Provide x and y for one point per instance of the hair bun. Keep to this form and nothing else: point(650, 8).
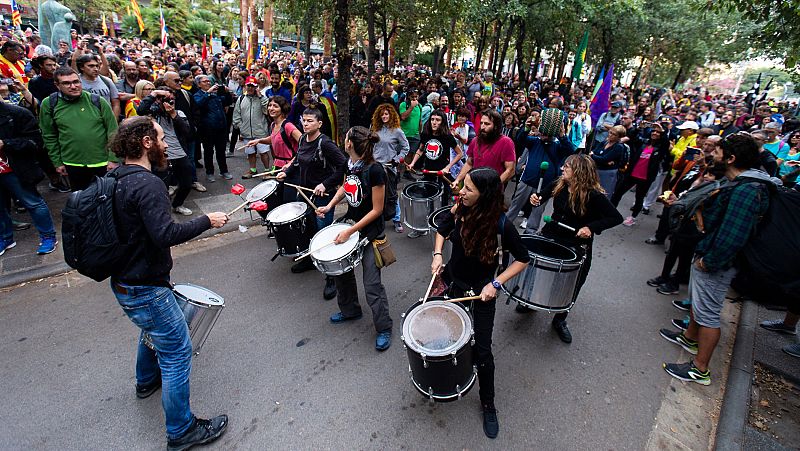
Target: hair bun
point(374, 137)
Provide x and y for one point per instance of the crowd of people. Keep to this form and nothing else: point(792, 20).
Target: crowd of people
point(70, 114)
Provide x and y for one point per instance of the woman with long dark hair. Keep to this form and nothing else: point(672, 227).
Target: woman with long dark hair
point(578, 202)
point(473, 226)
point(436, 142)
point(365, 209)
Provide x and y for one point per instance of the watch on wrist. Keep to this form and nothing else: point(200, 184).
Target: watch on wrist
point(497, 285)
point(434, 254)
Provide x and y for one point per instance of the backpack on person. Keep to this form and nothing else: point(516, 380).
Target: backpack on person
point(89, 232)
point(681, 217)
point(54, 97)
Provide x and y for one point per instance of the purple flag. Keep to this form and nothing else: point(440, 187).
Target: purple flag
point(600, 101)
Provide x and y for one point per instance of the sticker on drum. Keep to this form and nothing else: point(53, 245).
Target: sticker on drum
point(436, 328)
point(262, 191)
point(286, 213)
point(334, 251)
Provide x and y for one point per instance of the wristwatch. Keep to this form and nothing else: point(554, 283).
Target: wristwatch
point(497, 285)
point(435, 253)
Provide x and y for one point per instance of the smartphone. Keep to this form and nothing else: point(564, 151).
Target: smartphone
point(690, 153)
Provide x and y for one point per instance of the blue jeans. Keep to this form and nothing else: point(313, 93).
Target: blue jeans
point(190, 153)
point(30, 199)
point(321, 201)
point(155, 311)
point(608, 180)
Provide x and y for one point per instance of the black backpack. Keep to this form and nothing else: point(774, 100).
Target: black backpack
point(681, 214)
point(89, 232)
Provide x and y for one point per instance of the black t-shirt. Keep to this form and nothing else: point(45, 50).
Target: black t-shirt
point(358, 186)
point(469, 269)
point(436, 149)
point(310, 170)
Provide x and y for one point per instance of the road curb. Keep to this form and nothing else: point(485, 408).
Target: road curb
point(41, 272)
point(736, 402)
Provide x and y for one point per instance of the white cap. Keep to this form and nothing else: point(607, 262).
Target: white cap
point(688, 125)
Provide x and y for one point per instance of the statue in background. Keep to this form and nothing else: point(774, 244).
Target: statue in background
point(55, 23)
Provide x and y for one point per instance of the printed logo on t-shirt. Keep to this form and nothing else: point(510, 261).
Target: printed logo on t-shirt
point(433, 149)
point(353, 190)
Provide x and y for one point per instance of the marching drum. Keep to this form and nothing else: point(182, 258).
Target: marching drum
point(418, 200)
point(201, 308)
point(266, 192)
point(289, 224)
point(438, 338)
point(434, 221)
point(549, 281)
point(336, 259)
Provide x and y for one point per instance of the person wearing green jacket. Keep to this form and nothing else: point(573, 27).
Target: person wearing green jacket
point(76, 130)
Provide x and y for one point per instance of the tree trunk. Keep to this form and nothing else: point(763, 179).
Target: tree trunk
point(501, 61)
point(498, 25)
point(269, 20)
point(326, 35)
point(392, 35)
point(254, 32)
point(449, 42)
point(345, 59)
point(638, 73)
point(536, 61)
point(371, 44)
point(481, 45)
point(308, 22)
point(437, 53)
point(244, 8)
point(521, 69)
point(678, 77)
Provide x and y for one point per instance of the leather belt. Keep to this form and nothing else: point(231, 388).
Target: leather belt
point(120, 289)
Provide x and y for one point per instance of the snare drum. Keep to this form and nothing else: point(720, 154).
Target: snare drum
point(201, 308)
point(548, 282)
point(267, 192)
point(289, 223)
point(434, 221)
point(336, 259)
point(418, 201)
point(438, 338)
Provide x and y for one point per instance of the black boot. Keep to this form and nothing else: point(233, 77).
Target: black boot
point(563, 331)
point(303, 265)
point(330, 288)
point(490, 424)
point(202, 431)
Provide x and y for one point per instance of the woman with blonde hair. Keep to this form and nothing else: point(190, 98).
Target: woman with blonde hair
point(580, 203)
point(142, 89)
point(390, 152)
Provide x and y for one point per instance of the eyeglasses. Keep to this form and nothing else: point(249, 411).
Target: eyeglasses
point(70, 83)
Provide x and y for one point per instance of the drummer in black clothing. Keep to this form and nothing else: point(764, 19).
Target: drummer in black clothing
point(366, 186)
point(473, 226)
point(318, 165)
point(436, 144)
point(579, 202)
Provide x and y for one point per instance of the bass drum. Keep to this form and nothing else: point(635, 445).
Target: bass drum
point(548, 282)
point(434, 221)
point(417, 202)
point(438, 338)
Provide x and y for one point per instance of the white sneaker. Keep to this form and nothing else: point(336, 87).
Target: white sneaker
point(171, 190)
point(523, 224)
point(199, 187)
point(227, 176)
point(182, 211)
point(629, 221)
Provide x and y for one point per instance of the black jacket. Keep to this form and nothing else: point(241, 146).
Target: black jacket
point(311, 170)
point(142, 213)
point(22, 141)
point(600, 215)
point(657, 158)
point(182, 126)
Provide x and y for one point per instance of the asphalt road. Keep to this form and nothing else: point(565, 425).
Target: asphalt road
point(289, 379)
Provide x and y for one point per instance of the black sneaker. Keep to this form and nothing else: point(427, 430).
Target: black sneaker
point(682, 304)
point(645, 211)
point(330, 289)
point(668, 288)
point(490, 424)
point(688, 372)
point(563, 331)
point(653, 240)
point(144, 391)
point(777, 325)
point(657, 281)
point(681, 324)
point(202, 431)
point(679, 339)
point(303, 265)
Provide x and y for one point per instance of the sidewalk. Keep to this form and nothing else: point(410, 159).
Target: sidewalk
point(21, 263)
point(761, 409)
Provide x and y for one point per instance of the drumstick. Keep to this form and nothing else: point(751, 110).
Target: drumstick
point(267, 173)
point(239, 207)
point(307, 253)
point(428, 291)
point(307, 200)
point(550, 219)
point(302, 188)
point(468, 298)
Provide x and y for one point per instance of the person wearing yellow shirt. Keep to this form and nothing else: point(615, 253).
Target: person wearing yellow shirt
point(688, 138)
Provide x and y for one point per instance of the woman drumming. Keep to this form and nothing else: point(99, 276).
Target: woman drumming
point(365, 208)
point(473, 226)
point(579, 202)
point(436, 143)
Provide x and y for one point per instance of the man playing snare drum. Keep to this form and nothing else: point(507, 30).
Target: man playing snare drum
point(142, 287)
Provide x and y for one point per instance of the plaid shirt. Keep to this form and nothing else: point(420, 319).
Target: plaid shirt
point(729, 219)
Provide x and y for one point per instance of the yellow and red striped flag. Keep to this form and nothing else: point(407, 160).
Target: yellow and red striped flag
point(104, 25)
point(16, 17)
point(138, 13)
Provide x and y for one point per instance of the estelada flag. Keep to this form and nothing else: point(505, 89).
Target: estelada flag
point(138, 13)
point(103, 24)
point(204, 55)
point(16, 17)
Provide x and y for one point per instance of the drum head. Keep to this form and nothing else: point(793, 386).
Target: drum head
point(547, 249)
point(422, 190)
point(262, 191)
point(435, 219)
point(198, 295)
point(287, 212)
point(334, 251)
point(436, 328)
